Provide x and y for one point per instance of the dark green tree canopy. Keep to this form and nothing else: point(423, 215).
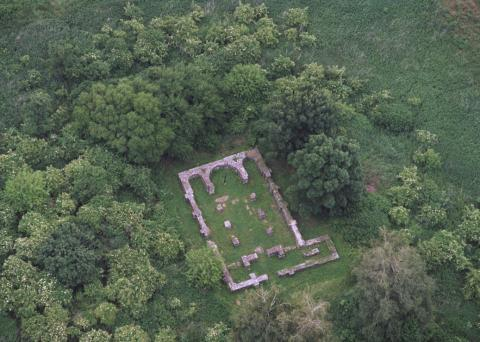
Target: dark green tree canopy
point(70, 255)
point(313, 102)
point(143, 118)
point(126, 117)
point(328, 177)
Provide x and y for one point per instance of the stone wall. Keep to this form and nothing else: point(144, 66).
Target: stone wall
point(234, 162)
point(227, 277)
point(282, 206)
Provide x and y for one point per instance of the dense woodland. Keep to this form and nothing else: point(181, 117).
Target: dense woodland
point(102, 102)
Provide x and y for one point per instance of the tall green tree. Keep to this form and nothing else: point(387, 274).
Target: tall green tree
point(126, 117)
point(313, 102)
point(70, 255)
point(327, 176)
point(132, 279)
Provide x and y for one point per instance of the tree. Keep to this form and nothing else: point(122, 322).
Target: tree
point(165, 335)
point(70, 255)
point(88, 180)
point(25, 290)
point(393, 290)
point(444, 248)
point(257, 318)
point(142, 118)
point(125, 116)
point(427, 159)
point(219, 332)
point(130, 333)
point(399, 216)
point(469, 229)
point(204, 268)
point(264, 315)
point(37, 228)
point(26, 190)
point(247, 83)
point(313, 102)
point(432, 216)
point(51, 326)
point(132, 279)
point(106, 313)
point(35, 111)
point(96, 336)
point(327, 175)
point(472, 284)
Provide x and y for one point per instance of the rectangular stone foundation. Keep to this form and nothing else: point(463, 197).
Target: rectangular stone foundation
point(235, 162)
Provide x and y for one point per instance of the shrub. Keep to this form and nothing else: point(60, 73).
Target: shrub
point(363, 224)
point(395, 120)
point(204, 268)
point(469, 229)
point(399, 216)
point(444, 248)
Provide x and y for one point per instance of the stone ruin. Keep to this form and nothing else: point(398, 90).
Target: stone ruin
point(276, 250)
point(227, 224)
point(312, 262)
point(235, 162)
point(261, 214)
point(312, 252)
point(248, 259)
point(235, 241)
point(253, 280)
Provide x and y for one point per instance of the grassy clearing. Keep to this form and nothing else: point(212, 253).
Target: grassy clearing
point(325, 281)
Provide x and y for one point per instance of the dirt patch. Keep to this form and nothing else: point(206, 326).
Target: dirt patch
point(372, 184)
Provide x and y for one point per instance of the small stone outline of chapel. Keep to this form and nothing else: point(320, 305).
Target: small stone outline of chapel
point(235, 162)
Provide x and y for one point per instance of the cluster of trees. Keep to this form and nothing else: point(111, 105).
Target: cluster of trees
point(171, 85)
point(85, 239)
point(433, 232)
point(65, 235)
